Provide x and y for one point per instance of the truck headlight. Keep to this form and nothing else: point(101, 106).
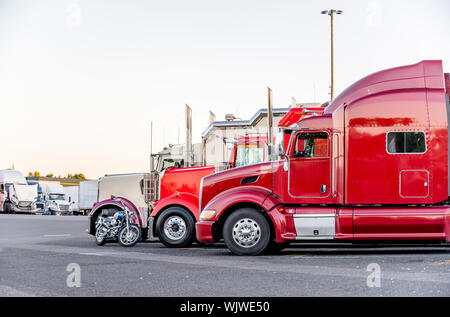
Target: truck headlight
point(207, 214)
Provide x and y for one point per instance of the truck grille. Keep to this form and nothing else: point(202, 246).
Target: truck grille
point(40, 206)
point(23, 204)
point(64, 207)
point(151, 184)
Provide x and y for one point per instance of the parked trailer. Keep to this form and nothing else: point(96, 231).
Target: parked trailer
point(16, 195)
point(72, 194)
point(372, 167)
point(88, 196)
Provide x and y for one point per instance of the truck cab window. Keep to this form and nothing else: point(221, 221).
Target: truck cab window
point(308, 145)
point(56, 197)
point(406, 142)
point(249, 154)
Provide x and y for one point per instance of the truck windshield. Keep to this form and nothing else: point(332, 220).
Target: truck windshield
point(7, 186)
point(249, 154)
point(56, 197)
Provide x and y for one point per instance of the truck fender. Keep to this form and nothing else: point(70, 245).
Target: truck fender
point(186, 200)
point(249, 194)
point(258, 196)
point(112, 203)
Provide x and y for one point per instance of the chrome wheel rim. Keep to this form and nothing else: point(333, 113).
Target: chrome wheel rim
point(246, 232)
point(130, 236)
point(100, 235)
point(175, 228)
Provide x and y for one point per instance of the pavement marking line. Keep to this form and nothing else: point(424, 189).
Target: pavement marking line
point(103, 253)
point(7, 291)
point(235, 263)
point(58, 235)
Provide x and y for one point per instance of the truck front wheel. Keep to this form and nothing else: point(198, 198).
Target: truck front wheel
point(246, 232)
point(8, 208)
point(175, 227)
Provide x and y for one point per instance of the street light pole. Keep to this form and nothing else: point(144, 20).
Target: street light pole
point(331, 13)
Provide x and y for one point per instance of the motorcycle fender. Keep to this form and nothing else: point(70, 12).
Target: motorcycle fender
point(112, 203)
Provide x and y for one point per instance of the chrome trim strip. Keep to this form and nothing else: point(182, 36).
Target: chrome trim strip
point(315, 238)
point(313, 215)
point(200, 197)
point(313, 158)
point(334, 145)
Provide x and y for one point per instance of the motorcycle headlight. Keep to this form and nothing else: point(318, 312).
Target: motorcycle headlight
point(207, 214)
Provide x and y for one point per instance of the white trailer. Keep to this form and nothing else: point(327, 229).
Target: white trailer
point(72, 195)
point(130, 186)
point(88, 196)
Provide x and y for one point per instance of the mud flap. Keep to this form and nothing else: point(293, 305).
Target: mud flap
point(151, 235)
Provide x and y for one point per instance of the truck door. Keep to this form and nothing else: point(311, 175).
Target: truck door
point(309, 167)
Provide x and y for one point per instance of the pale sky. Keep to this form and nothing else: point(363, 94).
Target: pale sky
point(80, 80)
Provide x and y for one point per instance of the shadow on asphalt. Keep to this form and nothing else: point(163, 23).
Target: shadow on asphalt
point(347, 249)
point(296, 249)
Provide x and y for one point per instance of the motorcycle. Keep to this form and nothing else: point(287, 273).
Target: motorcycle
point(116, 225)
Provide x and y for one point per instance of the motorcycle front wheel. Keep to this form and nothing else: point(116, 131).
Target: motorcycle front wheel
point(131, 237)
point(100, 238)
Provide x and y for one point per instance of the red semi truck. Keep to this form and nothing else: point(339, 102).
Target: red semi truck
point(373, 167)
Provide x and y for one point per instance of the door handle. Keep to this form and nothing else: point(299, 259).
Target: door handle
point(323, 189)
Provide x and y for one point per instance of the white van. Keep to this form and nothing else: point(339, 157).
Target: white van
point(15, 193)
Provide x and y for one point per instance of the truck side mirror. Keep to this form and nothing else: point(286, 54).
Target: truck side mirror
point(278, 148)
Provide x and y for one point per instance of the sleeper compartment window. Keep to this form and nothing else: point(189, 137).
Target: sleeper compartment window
point(406, 142)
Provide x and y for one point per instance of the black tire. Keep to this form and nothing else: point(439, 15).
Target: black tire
point(99, 241)
point(259, 227)
point(133, 228)
point(7, 207)
point(174, 214)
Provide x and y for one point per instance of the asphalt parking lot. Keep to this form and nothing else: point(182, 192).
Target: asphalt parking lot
point(35, 252)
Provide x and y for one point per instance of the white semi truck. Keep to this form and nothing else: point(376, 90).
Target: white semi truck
point(15, 193)
point(56, 201)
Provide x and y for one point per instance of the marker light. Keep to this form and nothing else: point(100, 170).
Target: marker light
point(207, 214)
